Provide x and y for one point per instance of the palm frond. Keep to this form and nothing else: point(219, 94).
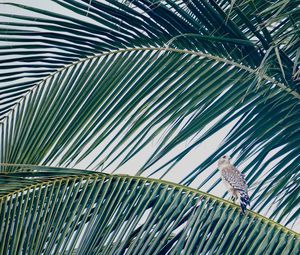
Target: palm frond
point(60, 39)
point(65, 118)
point(49, 211)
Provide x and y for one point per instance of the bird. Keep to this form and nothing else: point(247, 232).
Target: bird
point(234, 181)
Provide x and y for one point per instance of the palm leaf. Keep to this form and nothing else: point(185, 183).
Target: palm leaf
point(64, 119)
point(48, 210)
point(99, 27)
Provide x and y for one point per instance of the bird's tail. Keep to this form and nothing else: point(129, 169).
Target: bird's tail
point(244, 201)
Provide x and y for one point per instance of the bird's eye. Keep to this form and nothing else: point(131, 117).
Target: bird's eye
point(224, 156)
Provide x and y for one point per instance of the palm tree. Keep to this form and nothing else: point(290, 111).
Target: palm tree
point(87, 85)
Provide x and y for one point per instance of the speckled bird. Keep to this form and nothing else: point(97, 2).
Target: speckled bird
point(234, 182)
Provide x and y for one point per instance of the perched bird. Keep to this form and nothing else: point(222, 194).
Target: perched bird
point(234, 182)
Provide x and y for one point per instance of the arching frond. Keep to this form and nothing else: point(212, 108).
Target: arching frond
point(51, 211)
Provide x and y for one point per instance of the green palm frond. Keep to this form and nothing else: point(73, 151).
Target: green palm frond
point(61, 211)
point(65, 119)
point(60, 39)
point(93, 72)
